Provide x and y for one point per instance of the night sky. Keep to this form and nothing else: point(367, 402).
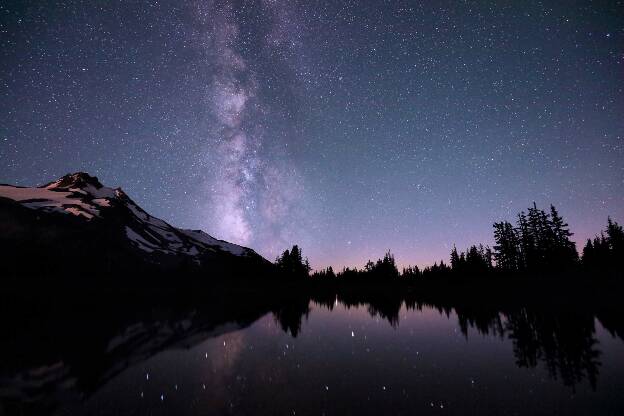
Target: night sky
point(349, 128)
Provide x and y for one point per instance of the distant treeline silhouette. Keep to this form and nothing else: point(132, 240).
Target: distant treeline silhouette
point(539, 243)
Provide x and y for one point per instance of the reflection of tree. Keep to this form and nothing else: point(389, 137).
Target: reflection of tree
point(612, 320)
point(290, 314)
point(562, 338)
point(378, 304)
point(564, 341)
point(385, 311)
point(484, 320)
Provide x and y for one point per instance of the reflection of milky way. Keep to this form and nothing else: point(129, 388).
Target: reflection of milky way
point(245, 188)
point(218, 363)
point(228, 349)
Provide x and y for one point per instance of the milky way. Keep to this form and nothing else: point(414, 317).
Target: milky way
point(229, 94)
point(349, 127)
point(250, 194)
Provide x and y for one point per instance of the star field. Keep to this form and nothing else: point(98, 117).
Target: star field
point(346, 127)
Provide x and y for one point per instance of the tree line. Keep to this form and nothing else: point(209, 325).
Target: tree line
point(538, 242)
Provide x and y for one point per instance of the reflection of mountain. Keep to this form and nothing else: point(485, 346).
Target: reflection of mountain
point(63, 349)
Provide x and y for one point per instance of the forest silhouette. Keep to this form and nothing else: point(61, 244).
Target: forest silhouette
point(538, 244)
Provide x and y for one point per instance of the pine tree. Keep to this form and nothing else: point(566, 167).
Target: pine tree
point(527, 242)
point(604, 254)
point(564, 251)
point(489, 258)
point(410, 272)
point(454, 259)
point(291, 263)
point(589, 254)
point(615, 235)
point(506, 250)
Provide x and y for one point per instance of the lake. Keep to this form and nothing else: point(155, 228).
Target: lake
point(341, 357)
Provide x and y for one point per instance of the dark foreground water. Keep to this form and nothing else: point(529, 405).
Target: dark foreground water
point(328, 358)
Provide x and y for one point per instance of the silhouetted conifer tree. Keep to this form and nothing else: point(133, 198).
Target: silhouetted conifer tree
point(604, 253)
point(454, 259)
point(615, 235)
point(506, 250)
point(527, 242)
point(477, 260)
point(383, 268)
point(327, 273)
point(411, 272)
point(330, 272)
point(563, 253)
point(588, 252)
point(539, 242)
point(292, 263)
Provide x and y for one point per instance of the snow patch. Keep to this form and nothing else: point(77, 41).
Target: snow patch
point(21, 194)
point(140, 241)
point(78, 212)
point(208, 240)
point(103, 202)
point(43, 198)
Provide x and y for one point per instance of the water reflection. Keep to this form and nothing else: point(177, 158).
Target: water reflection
point(563, 337)
point(58, 361)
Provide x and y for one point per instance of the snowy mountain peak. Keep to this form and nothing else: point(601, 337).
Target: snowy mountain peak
point(81, 185)
point(77, 180)
point(83, 196)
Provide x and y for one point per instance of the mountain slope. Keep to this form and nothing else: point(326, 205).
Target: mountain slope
point(75, 220)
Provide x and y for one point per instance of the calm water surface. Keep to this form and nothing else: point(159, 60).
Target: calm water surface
point(342, 360)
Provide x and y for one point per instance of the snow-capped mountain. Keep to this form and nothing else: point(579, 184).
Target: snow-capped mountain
point(78, 206)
